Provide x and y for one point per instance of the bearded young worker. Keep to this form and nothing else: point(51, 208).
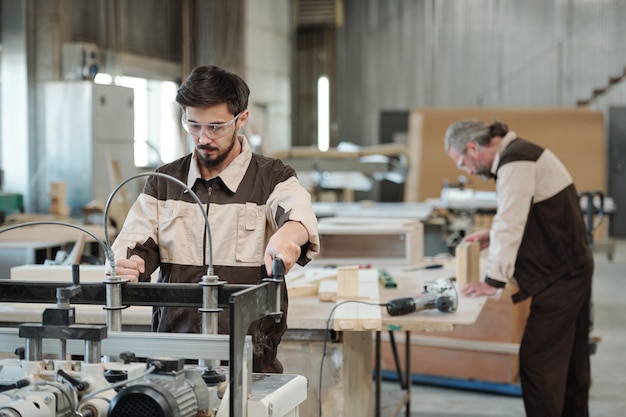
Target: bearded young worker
point(537, 242)
point(256, 207)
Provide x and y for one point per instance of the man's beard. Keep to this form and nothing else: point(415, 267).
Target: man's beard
point(207, 161)
point(485, 173)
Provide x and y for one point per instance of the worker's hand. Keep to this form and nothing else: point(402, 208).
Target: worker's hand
point(130, 268)
point(285, 244)
point(475, 289)
point(482, 237)
point(286, 250)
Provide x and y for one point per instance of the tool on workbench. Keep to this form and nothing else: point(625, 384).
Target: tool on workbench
point(387, 279)
point(423, 267)
point(441, 295)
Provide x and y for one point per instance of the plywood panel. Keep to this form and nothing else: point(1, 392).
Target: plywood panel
point(575, 135)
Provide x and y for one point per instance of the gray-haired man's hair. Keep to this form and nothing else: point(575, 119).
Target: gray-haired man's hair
point(460, 133)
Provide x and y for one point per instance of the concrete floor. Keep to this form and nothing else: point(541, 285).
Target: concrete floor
point(607, 397)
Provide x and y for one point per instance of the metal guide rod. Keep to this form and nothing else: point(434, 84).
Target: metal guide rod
point(143, 344)
point(135, 294)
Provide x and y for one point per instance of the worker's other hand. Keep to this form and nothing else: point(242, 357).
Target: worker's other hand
point(285, 244)
point(130, 268)
point(475, 289)
point(482, 237)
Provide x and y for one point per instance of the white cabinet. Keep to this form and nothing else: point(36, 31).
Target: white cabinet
point(80, 124)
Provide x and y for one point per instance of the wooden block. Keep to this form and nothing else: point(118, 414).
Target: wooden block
point(467, 262)
point(58, 199)
point(348, 282)
point(362, 311)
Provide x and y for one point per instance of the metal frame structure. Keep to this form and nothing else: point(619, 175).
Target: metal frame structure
point(247, 303)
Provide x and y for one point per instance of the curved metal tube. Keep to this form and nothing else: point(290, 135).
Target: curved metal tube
point(105, 246)
point(177, 181)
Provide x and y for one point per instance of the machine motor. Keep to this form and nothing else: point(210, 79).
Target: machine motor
point(169, 391)
point(47, 399)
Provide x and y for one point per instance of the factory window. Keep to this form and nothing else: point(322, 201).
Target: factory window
point(157, 127)
point(323, 113)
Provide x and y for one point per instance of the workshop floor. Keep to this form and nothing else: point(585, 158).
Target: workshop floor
point(607, 397)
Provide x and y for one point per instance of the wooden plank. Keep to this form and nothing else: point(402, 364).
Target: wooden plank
point(76, 254)
point(119, 206)
point(583, 153)
point(456, 343)
point(361, 312)
point(348, 282)
point(54, 273)
point(297, 291)
point(62, 273)
point(467, 262)
point(357, 379)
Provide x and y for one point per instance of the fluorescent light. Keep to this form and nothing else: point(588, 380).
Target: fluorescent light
point(323, 113)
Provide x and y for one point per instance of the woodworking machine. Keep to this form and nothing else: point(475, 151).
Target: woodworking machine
point(160, 384)
point(124, 374)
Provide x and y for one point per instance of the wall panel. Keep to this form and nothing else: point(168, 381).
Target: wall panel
point(397, 55)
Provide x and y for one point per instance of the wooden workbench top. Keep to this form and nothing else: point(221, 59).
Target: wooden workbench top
point(51, 232)
point(309, 313)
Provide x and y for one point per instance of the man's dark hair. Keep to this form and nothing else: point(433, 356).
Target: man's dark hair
point(209, 85)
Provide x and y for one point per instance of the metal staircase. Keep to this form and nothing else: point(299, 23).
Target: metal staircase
point(597, 92)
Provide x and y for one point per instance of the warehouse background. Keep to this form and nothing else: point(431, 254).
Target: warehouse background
point(383, 58)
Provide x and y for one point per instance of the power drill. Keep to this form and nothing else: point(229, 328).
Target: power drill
point(441, 295)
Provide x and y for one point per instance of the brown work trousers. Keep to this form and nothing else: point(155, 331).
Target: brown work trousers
point(554, 353)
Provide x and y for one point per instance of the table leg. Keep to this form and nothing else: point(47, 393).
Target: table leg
point(404, 378)
point(357, 377)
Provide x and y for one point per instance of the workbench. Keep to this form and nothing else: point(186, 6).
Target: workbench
point(136, 318)
point(348, 388)
point(33, 244)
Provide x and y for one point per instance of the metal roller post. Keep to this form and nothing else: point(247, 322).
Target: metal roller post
point(210, 310)
point(34, 350)
point(114, 303)
point(93, 351)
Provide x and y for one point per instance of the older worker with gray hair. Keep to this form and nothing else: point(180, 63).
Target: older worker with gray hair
point(537, 241)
